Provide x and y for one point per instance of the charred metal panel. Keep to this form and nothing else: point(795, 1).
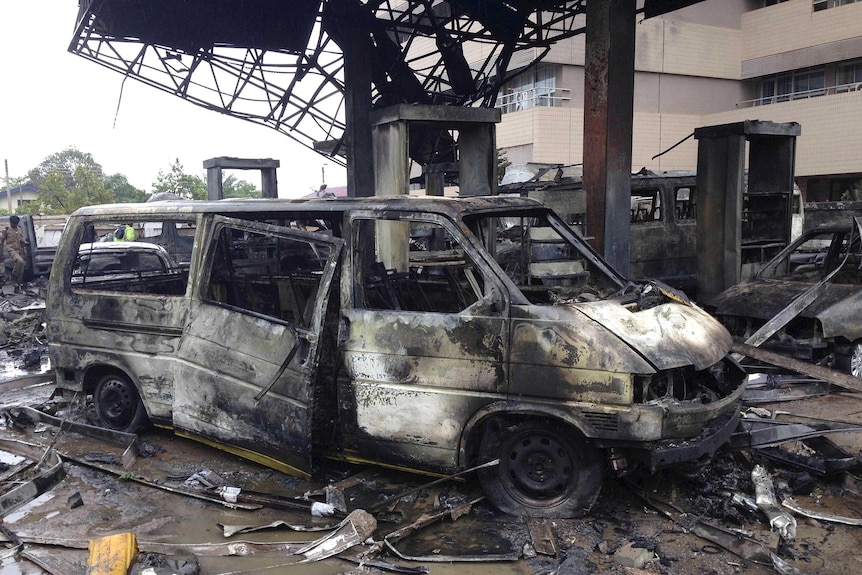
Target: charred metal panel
point(229, 358)
point(667, 335)
point(418, 377)
point(560, 354)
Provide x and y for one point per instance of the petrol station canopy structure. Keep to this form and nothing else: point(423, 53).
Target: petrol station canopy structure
point(282, 63)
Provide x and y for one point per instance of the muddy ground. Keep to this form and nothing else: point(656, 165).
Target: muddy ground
point(154, 499)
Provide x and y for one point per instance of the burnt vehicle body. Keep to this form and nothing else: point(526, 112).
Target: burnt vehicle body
point(663, 220)
point(828, 330)
point(430, 334)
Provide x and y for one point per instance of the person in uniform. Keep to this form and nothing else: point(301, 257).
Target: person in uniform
point(13, 239)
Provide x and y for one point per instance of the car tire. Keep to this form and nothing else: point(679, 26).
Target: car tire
point(545, 470)
point(118, 405)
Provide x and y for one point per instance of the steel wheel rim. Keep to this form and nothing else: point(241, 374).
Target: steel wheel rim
point(856, 361)
point(538, 468)
point(117, 402)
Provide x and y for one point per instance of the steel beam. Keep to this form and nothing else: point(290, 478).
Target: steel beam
point(608, 116)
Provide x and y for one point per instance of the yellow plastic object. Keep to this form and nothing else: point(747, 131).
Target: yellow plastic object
point(112, 554)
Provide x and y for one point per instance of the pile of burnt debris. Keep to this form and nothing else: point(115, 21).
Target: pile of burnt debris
point(22, 327)
point(740, 511)
point(772, 499)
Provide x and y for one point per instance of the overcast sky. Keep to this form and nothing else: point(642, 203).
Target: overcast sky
point(51, 100)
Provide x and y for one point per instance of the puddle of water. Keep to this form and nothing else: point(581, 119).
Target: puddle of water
point(10, 459)
point(13, 566)
point(22, 512)
point(10, 370)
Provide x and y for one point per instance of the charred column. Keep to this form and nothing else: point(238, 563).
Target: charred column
point(608, 113)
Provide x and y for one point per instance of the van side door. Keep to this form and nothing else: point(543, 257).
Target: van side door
point(250, 350)
point(424, 337)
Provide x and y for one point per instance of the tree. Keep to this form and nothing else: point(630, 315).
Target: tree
point(55, 197)
point(234, 188)
point(64, 163)
point(180, 183)
point(124, 192)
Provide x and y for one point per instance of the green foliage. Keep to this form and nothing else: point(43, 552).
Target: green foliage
point(124, 192)
point(56, 197)
point(65, 163)
point(234, 188)
point(180, 183)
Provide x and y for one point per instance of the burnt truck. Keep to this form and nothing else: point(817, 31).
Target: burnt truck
point(423, 333)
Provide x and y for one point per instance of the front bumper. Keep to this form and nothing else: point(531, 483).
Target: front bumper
point(711, 439)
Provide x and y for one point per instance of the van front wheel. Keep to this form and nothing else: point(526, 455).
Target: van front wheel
point(545, 470)
point(118, 404)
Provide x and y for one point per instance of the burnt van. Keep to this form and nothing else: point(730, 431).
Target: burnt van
point(430, 334)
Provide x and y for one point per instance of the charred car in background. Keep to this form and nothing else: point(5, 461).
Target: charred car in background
point(827, 331)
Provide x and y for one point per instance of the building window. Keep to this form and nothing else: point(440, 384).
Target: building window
point(824, 4)
point(765, 3)
point(794, 85)
point(536, 87)
point(849, 77)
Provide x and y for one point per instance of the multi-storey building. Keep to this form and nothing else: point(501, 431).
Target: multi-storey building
point(715, 62)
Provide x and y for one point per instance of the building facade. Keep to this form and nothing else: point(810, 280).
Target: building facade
point(716, 62)
point(20, 196)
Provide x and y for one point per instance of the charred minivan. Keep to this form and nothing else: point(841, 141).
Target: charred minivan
point(423, 333)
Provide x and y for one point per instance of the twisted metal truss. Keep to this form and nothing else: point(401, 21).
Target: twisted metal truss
point(455, 52)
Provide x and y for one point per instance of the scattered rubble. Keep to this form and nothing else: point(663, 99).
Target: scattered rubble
point(780, 498)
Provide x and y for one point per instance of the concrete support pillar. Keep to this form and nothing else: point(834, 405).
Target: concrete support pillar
point(720, 184)
point(357, 108)
point(608, 116)
point(391, 158)
point(727, 252)
point(215, 170)
point(214, 183)
point(477, 160)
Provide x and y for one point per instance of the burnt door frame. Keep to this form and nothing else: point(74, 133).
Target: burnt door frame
point(246, 381)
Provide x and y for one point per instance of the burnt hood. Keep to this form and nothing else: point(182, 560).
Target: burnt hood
point(764, 298)
point(667, 335)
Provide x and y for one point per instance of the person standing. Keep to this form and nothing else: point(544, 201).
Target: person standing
point(13, 239)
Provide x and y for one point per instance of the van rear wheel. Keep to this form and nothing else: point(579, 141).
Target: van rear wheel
point(118, 404)
point(545, 470)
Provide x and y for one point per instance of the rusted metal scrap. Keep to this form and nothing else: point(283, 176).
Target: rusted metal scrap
point(426, 520)
point(31, 480)
point(779, 519)
point(838, 378)
point(358, 526)
point(775, 388)
point(792, 505)
point(742, 546)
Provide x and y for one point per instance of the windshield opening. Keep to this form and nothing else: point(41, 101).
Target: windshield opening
point(544, 258)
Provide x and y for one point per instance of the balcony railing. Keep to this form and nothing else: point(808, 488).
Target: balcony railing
point(854, 87)
point(531, 98)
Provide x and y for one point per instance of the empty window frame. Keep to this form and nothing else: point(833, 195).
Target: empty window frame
point(265, 274)
point(141, 256)
point(414, 265)
point(646, 205)
point(685, 203)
